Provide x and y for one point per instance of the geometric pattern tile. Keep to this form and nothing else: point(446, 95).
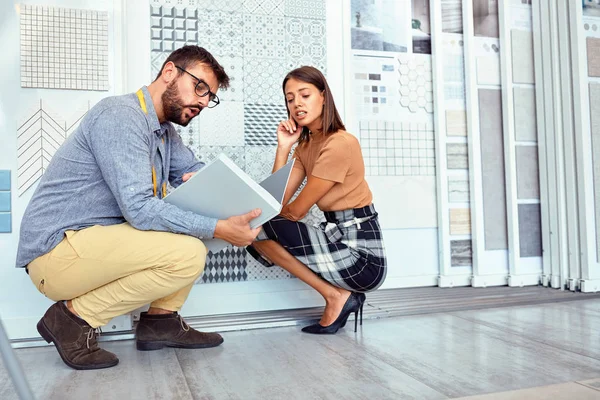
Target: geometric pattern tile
point(265, 7)
point(259, 161)
point(314, 9)
point(258, 272)
point(54, 41)
point(228, 265)
point(207, 154)
point(223, 125)
point(262, 81)
point(264, 36)
point(305, 43)
point(190, 135)
point(234, 67)
point(260, 123)
point(158, 59)
point(173, 27)
point(397, 148)
point(39, 135)
point(221, 5)
point(221, 33)
point(416, 88)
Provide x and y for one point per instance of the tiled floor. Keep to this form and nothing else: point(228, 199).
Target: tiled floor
point(526, 352)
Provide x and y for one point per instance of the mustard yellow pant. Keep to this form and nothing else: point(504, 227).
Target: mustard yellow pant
point(109, 271)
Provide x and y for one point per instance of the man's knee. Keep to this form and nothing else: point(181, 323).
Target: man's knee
point(193, 255)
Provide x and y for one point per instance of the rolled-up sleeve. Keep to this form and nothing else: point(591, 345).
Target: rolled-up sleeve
point(121, 145)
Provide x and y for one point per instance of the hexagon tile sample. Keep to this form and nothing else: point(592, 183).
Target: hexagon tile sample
point(416, 86)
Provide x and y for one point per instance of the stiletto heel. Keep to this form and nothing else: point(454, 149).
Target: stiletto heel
point(361, 309)
point(352, 305)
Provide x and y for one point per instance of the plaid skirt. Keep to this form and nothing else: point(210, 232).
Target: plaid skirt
point(347, 250)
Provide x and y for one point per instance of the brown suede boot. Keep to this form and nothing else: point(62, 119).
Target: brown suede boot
point(154, 332)
point(74, 339)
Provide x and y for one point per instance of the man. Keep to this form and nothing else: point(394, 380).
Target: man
point(97, 237)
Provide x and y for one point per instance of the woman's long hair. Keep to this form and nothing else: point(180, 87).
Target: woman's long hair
point(330, 117)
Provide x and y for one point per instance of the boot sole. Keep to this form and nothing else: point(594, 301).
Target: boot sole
point(157, 345)
point(49, 338)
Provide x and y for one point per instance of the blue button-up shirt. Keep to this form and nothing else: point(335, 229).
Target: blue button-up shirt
point(102, 175)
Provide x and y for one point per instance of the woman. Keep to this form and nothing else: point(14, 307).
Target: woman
point(344, 257)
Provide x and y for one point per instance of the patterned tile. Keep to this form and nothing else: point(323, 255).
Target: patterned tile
point(265, 7)
point(208, 154)
point(314, 9)
point(314, 217)
point(46, 62)
point(158, 59)
point(173, 27)
point(221, 32)
point(259, 161)
point(375, 87)
point(262, 81)
point(258, 272)
point(264, 36)
point(190, 134)
point(39, 134)
point(261, 122)
point(234, 67)
point(228, 265)
point(223, 125)
point(416, 87)
point(460, 221)
point(396, 148)
point(305, 43)
point(220, 5)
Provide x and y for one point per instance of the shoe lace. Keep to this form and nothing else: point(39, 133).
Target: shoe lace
point(184, 325)
point(91, 336)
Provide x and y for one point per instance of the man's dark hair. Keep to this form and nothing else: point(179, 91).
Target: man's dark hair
point(187, 56)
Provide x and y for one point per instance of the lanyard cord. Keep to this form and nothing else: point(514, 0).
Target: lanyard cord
point(140, 96)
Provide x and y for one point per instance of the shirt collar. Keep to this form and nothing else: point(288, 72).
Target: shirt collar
point(155, 126)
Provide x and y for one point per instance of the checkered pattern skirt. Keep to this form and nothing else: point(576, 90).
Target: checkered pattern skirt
point(347, 250)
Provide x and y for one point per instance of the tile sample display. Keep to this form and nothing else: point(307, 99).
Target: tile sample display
point(458, 156)
point(593, 57)
point(458, 189)
point(39, 135)
point(222, 125)
point(492, 169)
point(260, 123)
point(525, 114)
point(528, 173)
point(522, 57)
point(64, 48)
point(396, 148)
point(460, 221)
point(228, 265)
point(461, 253)
point(530, 230)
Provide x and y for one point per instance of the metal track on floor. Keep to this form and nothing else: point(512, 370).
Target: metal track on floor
point(380, 304)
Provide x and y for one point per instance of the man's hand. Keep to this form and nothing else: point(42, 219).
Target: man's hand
point(236, 230)
point(187, 176)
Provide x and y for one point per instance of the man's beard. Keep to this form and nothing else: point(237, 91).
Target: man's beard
point(173, 107)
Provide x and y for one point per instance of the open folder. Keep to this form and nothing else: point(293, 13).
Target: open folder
point(221, 190)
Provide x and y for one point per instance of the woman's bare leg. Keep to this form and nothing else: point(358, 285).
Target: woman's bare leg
point(334, 297)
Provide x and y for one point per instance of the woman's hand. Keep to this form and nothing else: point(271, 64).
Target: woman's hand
point(288, 133)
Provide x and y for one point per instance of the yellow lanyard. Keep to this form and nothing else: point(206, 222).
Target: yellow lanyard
point(140, 96)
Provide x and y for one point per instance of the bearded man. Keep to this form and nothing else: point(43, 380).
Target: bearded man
point(98, 239)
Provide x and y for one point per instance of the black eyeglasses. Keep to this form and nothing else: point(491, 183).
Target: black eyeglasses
point(202, 89)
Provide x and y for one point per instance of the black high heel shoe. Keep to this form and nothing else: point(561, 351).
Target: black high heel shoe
point(354, 304)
